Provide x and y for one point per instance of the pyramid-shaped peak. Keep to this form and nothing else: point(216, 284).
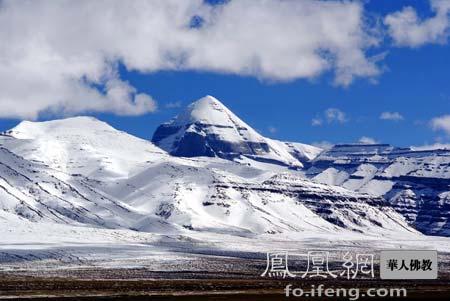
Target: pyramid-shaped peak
point(208, 128)
point(207, 110)
point(207, 100)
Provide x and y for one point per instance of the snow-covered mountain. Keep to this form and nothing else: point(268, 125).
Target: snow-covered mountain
point(35, 192)
point(208, 128)
point(415, 182)
point(80, 171)
point(81, 145)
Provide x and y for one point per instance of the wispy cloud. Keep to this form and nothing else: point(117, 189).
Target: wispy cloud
point(272, 129)
point(316, 122)
point(335, 115)
point(330, 115)
point(407, 29)
point(441, 123)
point(367, 140)
point(393, 116)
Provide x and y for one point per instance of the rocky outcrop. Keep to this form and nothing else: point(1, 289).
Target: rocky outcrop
point(415, 182)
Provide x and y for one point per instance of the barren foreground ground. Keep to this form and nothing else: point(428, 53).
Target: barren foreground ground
point(88, 263)
point(226, 278)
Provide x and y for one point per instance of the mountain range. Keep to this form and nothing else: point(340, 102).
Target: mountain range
point(207, 171)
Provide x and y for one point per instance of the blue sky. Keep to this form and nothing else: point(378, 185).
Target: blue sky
point(414, 82)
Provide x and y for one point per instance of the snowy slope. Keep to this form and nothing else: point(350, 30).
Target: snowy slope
point(47, 248)
point(416, 182)
point(82, 171)
point(81, 145)
point(202, 198)
point(208, 128)
point(37, 193)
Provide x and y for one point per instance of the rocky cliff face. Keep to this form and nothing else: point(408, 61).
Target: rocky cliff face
point(415, 182)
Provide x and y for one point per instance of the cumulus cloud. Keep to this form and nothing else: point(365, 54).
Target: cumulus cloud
point(284, 40)
point(407, 29)
point(393, 116)
point(367, 140)
point(63, 56)
point(441, 123)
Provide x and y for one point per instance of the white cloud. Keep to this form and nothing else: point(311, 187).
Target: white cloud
point(393, 116)
point(62, 56)
point(284, 40)
point(367, 140)
point(335, 115)
point(441, 123)
point(407, 29)
point(330, 115)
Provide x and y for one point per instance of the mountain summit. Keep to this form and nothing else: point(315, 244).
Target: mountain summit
point(208, 128)
point(80, 145)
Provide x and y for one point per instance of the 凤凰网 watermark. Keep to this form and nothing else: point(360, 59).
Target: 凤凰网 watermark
point(393, 264)
point(349, 293)
point(318, 266)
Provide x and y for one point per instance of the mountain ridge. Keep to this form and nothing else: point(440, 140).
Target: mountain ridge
point(83, 172)
point(415, 182)
point(269, 189)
